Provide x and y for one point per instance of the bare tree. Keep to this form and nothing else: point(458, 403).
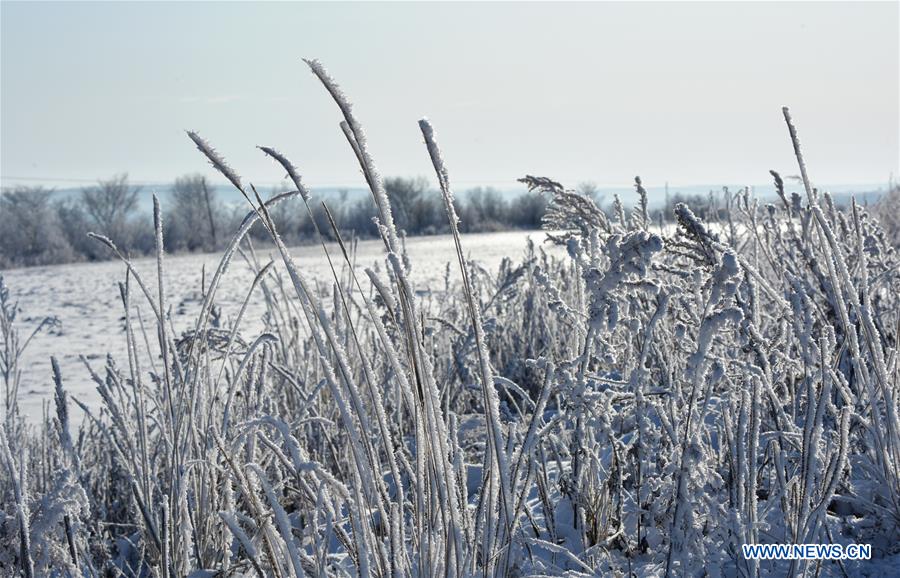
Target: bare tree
point(413, 209)
point(29, 230)
point(484, 209)
point(590, 190)
point(888, 211)
point(109, 204)
point(194, 212)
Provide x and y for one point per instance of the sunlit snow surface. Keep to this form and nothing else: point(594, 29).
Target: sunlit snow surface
point(85, 298)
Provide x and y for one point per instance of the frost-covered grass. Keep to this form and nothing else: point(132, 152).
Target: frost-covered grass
point(84, 297)
point(642, 406)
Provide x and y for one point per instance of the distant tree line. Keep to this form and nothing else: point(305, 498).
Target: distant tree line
point(710, 207)
point(39, 228)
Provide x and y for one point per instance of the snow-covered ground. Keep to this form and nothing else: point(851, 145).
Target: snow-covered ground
point(85, 299)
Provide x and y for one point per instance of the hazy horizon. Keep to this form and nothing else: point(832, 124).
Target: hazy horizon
point(576, 92)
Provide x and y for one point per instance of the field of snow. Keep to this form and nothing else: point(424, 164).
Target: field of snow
point(84, 297)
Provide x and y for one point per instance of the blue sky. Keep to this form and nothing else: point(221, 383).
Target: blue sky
point(678, 92)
